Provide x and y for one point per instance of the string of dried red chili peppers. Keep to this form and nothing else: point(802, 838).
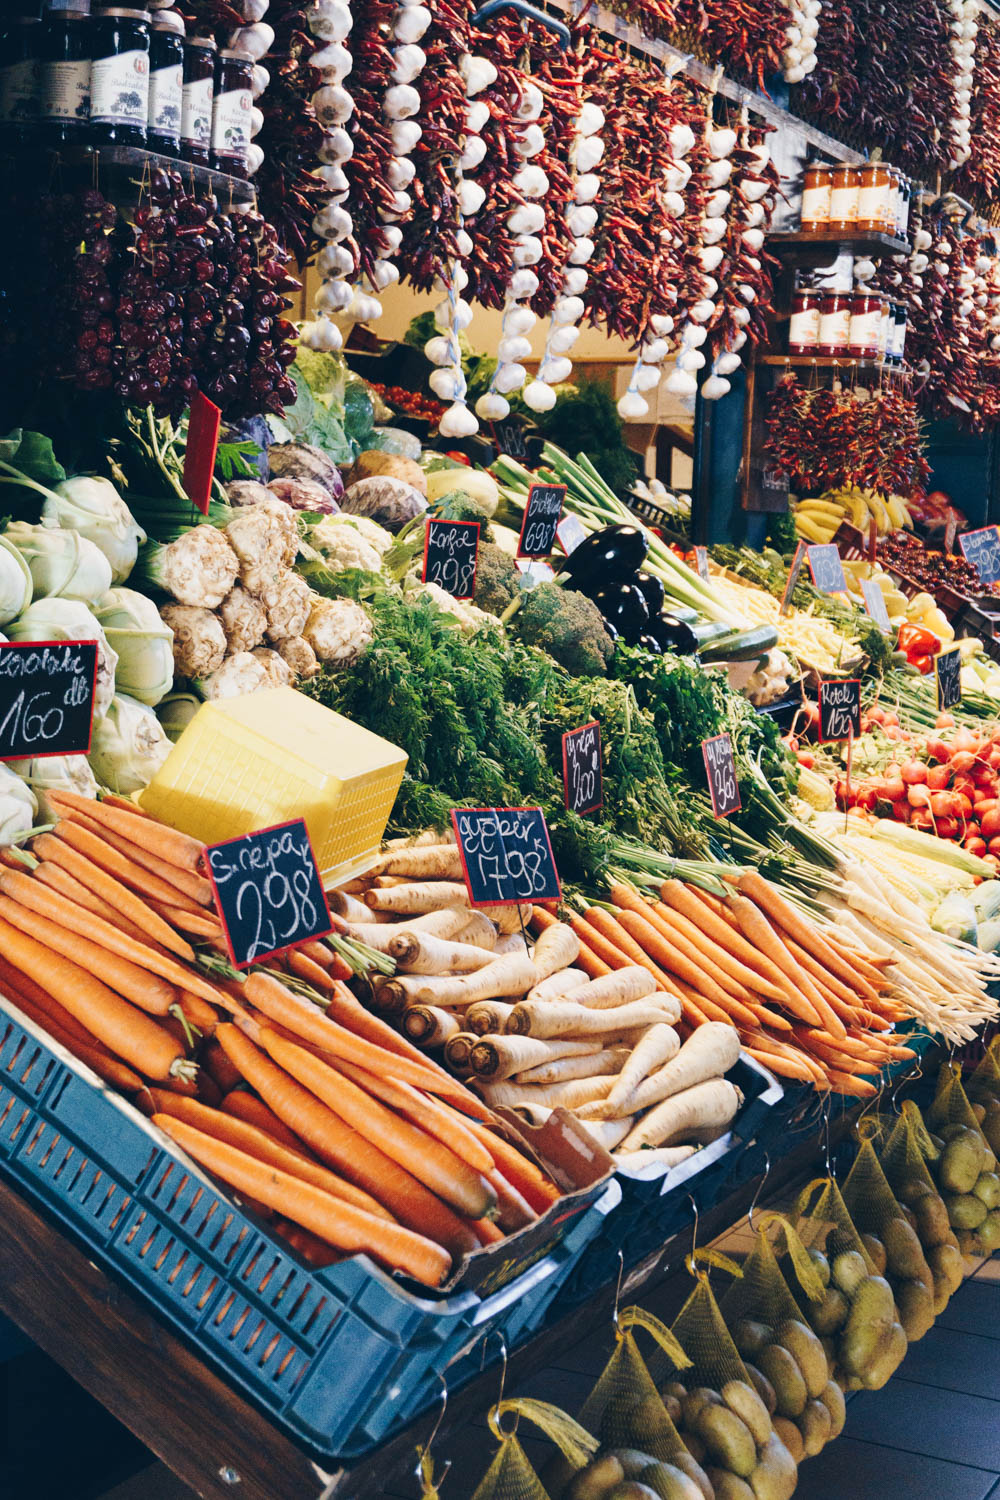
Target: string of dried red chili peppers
point(747, 36)
point(824, 438)
point(980, 177)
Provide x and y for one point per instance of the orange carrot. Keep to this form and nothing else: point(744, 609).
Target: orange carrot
point(514, 1211)
point(124, 869)
point(343, 1225)
point(97, 879)
point(434, 1164)
point(278, 1003)
point(133, 824)
point(243, 1105)
point(314, 1251)
point(531, 1182)
point(846, 1083)
point(193, 887)
point(796, 984)
point(616, 933)
point(96, 1058)
point(14, 983)
point(423, 1110)
point(610, 955)
point(146, 990)
point(488, 1232)
point(731, 951)
point(61, 910)
point(780, 911)
point(343, 1008)
point(306, 968)
point(198, 924)
point(199, 1013)
point(652, 942)
point(343, 1149)
point(258, 1143)
point(59, 879)
point(835, 1012)
point(128, 1033)
point(785, 1067)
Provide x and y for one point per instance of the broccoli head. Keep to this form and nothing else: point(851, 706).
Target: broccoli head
point(567, 625)
point(498, 581)
point(458, 506)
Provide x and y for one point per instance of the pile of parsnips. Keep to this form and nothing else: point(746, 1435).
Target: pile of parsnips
point(526, 1025)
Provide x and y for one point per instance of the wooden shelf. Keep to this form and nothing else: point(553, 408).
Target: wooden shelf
point(810, 244)
point(831, 362)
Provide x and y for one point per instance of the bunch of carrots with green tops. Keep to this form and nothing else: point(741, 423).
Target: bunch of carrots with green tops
point(810, 1001)
point(338, 1130)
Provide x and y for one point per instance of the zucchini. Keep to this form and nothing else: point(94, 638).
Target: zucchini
point(741, 645)
point(682, 612)
point(706, 632)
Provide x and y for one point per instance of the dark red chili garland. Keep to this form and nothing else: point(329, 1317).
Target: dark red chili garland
point(745, 269)
point(980, 176)
point(747, 36)
point(289, 195)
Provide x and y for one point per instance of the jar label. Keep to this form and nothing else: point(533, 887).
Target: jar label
point(873, 203)
point(816, 205)
point(119, 88)
point(196, 112)
point(865, 331)
point(166, 96)
point(66, 90)
point(19, 91)
point(844, 204)
point(834, 329)
point(231, 123)
point(803, 329)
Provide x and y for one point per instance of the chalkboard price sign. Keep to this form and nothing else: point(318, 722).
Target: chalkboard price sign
point(268, 892)
point(509, 436)
point(827, 569)
point(541, 520)
point(720, 768)
point(793, 578)
point(582, 768)
point(506, 855)
point(948, 676)
point(450, 552)
point(875, 603)
point(982, 549)
point(839, 709)
point(46, 697)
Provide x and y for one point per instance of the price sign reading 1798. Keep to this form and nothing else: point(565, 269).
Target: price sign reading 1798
point(46, 697)
point(506, 855)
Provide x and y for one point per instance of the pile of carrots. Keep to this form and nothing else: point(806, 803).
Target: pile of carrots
point(806, 1004)
point(332, 1125)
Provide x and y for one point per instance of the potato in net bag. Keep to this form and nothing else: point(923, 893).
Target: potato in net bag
point(858, 1310)
point(511, 1476)
point(966, 1169)
point(638, 1439)
point(983, 1083)
point(724, 1421)
point(786, 1360)
point(904, 1158)
point(890, 1237)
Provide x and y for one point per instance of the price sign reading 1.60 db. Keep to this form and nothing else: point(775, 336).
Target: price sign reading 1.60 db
point(582, 768)
point(720, 768)
point(451, 549)
point(506, 855)
point(268, 891)
point(839, 709)
point(541, 519)
point(46, 697)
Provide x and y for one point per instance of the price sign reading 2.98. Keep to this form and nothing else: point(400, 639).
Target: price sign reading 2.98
point(541, 520)
point(46, 697)
point(451, 549)
point(268, 892)
point(506, 855)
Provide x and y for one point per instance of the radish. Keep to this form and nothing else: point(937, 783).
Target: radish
point(944, 721)
point(990, 825)
point(938, 778)
point(914, 773)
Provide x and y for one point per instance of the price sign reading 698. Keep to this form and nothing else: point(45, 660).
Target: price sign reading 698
point(506, 855)
point(541, 520)
point(46, 697)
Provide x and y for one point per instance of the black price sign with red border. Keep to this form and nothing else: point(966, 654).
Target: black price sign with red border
point(506, 855)
point(46, 697)
point(541, 520)
point(268, 891)
point(720, 769)
point(582, 780)
point(451, 551)
point(839, 709)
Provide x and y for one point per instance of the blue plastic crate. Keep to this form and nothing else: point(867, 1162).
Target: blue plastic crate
point(339, 1357)
point(655, 1205)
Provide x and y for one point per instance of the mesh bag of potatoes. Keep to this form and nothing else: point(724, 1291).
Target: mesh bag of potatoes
point(889, 1233)
point(511, 1476)
point(858, 1312)
point(784, 1357)
point(983, 1088)
point(721, 1416)
point(642, 1456)
point(965, 1167)
point(903, 1154)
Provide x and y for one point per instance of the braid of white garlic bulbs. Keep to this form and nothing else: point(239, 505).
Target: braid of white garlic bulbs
point(964, 29)
point(586, 151)
point(255, 39)
point(454, 313)
point(525, 221)
point(799, 57)
point(330, 21)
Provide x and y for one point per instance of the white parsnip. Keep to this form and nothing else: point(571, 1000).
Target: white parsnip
point(658, 1046)
point(630, 983)
point(512, 942)
point(659, 1156)
point(608, 1133)
point(488, 1016)
point(429, 1026)
point(423, 953)
point(511, 974)
point(498, 1057)
point(349, 907)
point(556, 949)
point(555, 1095)
point(606, 1063)
point(423, 862)
point(508, 918)
point(711, 1050)
point(477, 929)
point(557, 985)
point(457, 1050)
point(422, 840)
point(548, 1018)
point(712, 1103)
point(418, 897)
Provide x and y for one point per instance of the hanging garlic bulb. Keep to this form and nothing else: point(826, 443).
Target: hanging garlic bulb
point(454, 313)
point(525, 223)
point(964, 29)
point(799, 56)
point(330, 21)
point(581, 220)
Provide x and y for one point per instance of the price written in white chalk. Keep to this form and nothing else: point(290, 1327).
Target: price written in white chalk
point(541, 520)
point(506, 855)
point(720, 769)
point(46, 697)
point(839, 709)
point(451, 550)
point(268, 891)
point(582, 779)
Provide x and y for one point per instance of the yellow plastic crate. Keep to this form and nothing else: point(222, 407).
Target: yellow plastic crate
point(246, 763)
